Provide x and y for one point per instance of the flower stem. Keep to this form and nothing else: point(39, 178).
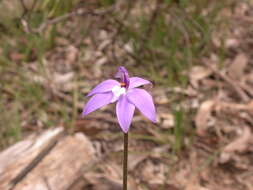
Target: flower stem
point(125, 161)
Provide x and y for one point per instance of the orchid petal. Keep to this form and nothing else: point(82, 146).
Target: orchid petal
point(137, 81)
point(97, 101)
point(125, 112)
point(143, 101)
point(105, 86)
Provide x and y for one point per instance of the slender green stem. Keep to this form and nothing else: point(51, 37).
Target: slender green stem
point(125, 161)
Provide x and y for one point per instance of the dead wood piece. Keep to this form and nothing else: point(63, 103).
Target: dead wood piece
point(51, 161)
point(24, 152)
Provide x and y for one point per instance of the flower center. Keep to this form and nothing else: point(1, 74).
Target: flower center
point(122, 84)
point(117, 92)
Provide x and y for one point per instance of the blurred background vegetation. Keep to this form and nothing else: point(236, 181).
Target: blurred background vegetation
point(46, 63)
point(198, 54)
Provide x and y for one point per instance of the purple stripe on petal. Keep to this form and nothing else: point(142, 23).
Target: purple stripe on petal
point(97, 101)
point(125, 112)
point(105, 86)
point(137, 81)
point(143, 101)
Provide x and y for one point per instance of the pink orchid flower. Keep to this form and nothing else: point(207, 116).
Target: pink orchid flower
point(127, 96)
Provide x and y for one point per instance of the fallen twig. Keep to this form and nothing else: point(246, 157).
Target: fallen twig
point(56, 20)
point(231, 82)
